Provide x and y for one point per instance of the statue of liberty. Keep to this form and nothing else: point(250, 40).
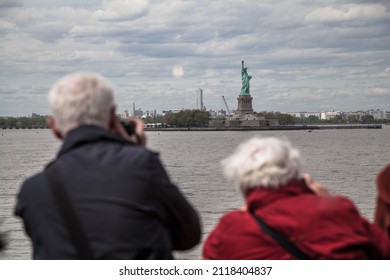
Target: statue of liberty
point(245, 80)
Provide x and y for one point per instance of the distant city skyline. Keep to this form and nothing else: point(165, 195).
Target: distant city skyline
point(302, 55)
point(141, 111)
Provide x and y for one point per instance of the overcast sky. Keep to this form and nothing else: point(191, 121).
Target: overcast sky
point(303, 55)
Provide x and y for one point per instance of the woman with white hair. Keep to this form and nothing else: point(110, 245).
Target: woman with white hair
point(287, 215)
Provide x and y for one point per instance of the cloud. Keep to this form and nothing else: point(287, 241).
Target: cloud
point(10, 3)
point(367, 12)
point(7, 26)
point(122, 9)
point(301, 54)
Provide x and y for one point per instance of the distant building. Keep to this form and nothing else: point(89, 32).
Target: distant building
point(151, 114)
point(199, 99)
point(330, 115)
point(124, 114)
point(154, 125)
point(304, 114)
point(145, 115)
point(221, 113)
point(213, 114)
point(322, 116)
point(355, 116)
point(377, 114)
point(164, 112)
point(137, 113)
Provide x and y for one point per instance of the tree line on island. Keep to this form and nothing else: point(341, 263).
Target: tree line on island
point(198, 118)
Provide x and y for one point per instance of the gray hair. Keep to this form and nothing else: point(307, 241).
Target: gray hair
point(262, 163)
point(79, 99)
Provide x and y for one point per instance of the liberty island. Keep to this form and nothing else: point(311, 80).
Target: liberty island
point(245, 118)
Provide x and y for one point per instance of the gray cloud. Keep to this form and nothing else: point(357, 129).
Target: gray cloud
point(302, 55)
point(10, 4)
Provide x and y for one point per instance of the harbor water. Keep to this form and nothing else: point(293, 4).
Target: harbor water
point(345, 161)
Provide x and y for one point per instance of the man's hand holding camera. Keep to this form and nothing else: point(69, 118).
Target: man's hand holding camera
point(132, 130)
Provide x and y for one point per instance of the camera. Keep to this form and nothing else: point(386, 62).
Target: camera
point(129, 127)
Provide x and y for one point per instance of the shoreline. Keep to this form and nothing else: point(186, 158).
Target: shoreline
point(269, 128)
point(247, 128)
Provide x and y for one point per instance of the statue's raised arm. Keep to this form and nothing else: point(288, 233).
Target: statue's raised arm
point(245, 80)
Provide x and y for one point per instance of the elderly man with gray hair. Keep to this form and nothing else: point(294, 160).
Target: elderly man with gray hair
point(105, 196)
point(286, 214)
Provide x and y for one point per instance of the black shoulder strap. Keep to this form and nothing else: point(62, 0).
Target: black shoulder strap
point(67, 211)
point(281, 239)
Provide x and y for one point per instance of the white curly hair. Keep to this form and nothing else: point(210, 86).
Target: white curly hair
point(259, 162)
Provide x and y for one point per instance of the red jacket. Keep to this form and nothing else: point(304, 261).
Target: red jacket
point(323, 227)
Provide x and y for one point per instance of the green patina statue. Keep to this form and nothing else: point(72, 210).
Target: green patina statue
point(245, 80)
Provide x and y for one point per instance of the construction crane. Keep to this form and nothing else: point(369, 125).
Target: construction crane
point(227, 107)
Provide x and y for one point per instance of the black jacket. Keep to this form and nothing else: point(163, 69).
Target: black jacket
point(122, 195)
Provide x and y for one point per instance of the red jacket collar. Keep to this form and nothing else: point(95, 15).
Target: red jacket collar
point(261, 197)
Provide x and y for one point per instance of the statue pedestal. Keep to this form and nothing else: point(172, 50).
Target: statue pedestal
point(244, 105)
